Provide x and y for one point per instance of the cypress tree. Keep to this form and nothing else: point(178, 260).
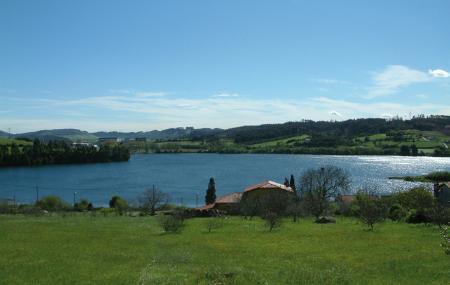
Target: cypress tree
point(292, 183)
point(210, 196)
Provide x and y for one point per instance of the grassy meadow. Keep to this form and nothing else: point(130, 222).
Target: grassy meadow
point(127, 250)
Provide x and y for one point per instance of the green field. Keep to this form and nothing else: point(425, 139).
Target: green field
point(6, 141)
point(126, 250)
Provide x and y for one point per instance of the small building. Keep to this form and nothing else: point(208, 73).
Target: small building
point(228, 204)
point(442, 193)
point(260, 189)
point(346, 199)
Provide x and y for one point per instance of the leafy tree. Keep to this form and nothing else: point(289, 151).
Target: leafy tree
point(83, 205)
point(371, 209)
point(119, 204)
point(210, 197)
point(151, 199)
point(52, 203)
point(319, 186)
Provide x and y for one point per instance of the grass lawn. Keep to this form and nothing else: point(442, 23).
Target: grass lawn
point(126, 250)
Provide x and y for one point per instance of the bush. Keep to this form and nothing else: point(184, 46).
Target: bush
point(397, 213)
point(83, 205)
point(52, 203)
point(418, 217)
point(171, 223)
point(419, 199)
point(273, 220)
point(119, 204)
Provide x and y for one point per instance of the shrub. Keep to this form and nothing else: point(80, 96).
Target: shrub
point(418, 217)
point(83, 205)
point(273, 220)
point(419, 199)
point(439, 214)
point(52, 203)
point(119, 204)
point(397, 213)
point(171, 223)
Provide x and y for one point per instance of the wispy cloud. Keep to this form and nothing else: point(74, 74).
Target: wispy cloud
point(392, 78)
point(225, 95)
point(335, 113)
point(438, 73)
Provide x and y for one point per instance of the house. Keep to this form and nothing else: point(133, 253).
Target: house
point(264, 188)
point(230, 203)
point(442, 193)
point(346, 199)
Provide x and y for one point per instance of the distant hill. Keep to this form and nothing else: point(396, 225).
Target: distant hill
point(3, 134)
point(336, 129)
point(78, 135)
point(58, 134)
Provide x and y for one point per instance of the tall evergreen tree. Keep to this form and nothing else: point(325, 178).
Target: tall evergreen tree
point(210, 196)
point(286, 182)
point(292, 183)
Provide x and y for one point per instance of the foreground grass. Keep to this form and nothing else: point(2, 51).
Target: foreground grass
point(125, 250)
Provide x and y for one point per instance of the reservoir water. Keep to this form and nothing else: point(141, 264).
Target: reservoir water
point(185, 176)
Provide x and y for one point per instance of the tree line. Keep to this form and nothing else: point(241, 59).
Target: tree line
point(60, 152)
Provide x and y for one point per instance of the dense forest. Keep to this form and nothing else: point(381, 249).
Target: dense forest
point(59, 152)
point(333, 130)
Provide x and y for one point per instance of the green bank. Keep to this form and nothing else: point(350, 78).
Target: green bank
point(86, 249)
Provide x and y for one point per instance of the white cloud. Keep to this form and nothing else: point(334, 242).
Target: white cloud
point(226, 95)
point(392, 78)
point(335, 113)
point(438, 73)
point(130, 112)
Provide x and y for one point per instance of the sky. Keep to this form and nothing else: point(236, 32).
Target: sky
point(144, 65)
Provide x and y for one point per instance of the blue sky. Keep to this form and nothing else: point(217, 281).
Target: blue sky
point(144, 65)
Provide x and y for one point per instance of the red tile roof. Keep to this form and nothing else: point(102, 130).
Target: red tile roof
point(227, 199)
point(268, 185)
point(231, 198)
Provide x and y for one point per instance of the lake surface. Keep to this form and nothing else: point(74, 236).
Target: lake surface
point(186, 176)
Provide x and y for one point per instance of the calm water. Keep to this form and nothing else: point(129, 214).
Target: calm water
point(186, 176)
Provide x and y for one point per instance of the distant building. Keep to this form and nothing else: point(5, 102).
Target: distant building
point(85, 144)
point(230, 203)
point(260, 189)
point(442, 193)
